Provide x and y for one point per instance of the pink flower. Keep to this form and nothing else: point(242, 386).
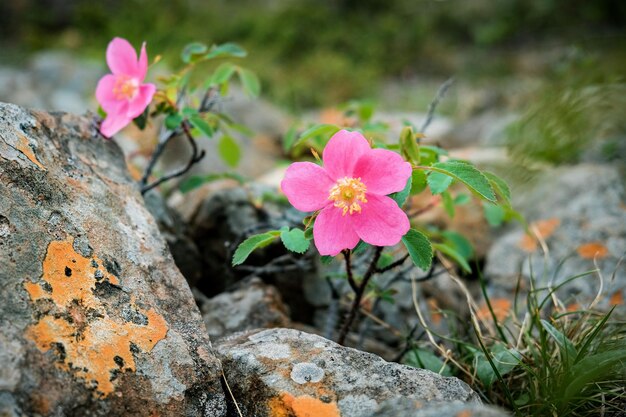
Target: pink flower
point(122, 94)
point(351, 192)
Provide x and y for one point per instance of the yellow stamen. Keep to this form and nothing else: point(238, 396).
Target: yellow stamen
point(125, 88)
point(348, 194)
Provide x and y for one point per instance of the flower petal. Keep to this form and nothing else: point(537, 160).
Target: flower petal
point(306, 186)
point(381, 222)
point(342, 152)
point(142, 65)
point(104, 93)
point(122, 57)
point(334, 232)
point(383, 172)
point(114, 122)
point(143, 99)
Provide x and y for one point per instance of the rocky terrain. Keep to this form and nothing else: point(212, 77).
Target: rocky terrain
point(116, 304)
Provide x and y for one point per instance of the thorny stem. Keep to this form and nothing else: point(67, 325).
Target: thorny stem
point(358, 296)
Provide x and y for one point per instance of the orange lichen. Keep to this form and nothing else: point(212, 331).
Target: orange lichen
point(23, 146)
point(288, 405)
point(95, 345)
point(541, 230)
point(501, 308)
point(617, 299)
point(592, 250)
point(464, 413)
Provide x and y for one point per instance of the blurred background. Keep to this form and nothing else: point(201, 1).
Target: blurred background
point(543, 77)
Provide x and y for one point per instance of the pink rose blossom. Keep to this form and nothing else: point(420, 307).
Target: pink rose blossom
point(122, 94)
point(350, 191)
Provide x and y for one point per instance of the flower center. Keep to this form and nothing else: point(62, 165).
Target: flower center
point(125, 87)
point(348, 194)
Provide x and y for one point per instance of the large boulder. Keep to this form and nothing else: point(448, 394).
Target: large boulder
point(95, 319)
point(285, 372)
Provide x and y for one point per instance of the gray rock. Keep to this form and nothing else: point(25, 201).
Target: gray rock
point(95, 319)
point(585, 204)
point(405, 407)
point(288, 372)
point(220, 216)
point(253, 304)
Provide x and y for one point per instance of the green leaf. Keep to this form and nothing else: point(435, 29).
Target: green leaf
point(253, 243)
point(409, 146)
point(504, 360)
point(590, 369)
point(250, 82)
point(202, 125)
point(222, 73)
point(494, 214)
point(326, 259)
point(568, 351)
point(459, 243)
point(425, 359)
point(194, 48)
point(308, 233)
point(438, 182)
point(360, 247)
point(385, 260)
point(448, 203)
point(419, 248)
point(499, 185)
point(196, 181)
point(430, 154)
point(142, 119)
point(294, 240)
point(461, 199)
point(401, 196)
point(468, 175)
point(290, 138)
point(225, 50)
point(172, 121)
point(454, 254)
point(325, 130)
point(418, 181)
point(229, 150)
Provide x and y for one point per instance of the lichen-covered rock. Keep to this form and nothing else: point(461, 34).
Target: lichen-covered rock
point(95, 319)
point(252, 305)
point(285, 372)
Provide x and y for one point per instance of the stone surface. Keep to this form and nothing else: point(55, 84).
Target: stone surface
point(580, 213)
point(221, 215)
point(95, 319)
point(405, 407)
point(253, 304)
point(285, 372)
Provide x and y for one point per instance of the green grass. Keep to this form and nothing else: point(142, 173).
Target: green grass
point(543, 360)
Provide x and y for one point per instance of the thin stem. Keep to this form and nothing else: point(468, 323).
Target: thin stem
point(392, 265)
point(351, 281)
point(195, 157)
point(441, 92)
point(155, 157)
point(358, 296)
